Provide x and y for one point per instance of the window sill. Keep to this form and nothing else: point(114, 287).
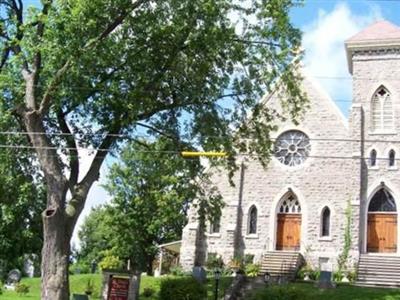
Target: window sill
point(395, 168)
point(213, 235)
point(373, 168)
point(251, 236)
point(325, 239)
point(382, 132)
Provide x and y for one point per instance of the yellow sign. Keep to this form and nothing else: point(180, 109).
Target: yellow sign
point(196, 154)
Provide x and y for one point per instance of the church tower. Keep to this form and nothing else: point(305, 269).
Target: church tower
point(374, 62)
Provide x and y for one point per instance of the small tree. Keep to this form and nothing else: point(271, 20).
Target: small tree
point(151, 192)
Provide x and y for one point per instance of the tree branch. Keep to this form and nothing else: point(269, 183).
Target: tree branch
point(45, 103)
point(73, 151)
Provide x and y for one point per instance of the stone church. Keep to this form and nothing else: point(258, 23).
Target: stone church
point(328, 176)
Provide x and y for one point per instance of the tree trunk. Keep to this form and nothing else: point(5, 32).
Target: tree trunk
point(55, 256)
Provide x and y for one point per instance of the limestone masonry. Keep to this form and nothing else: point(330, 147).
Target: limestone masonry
point(321, 168)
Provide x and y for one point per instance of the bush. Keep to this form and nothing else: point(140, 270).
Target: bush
point(177, 271)
point(22, 288)
point(252, 270)
point(186, 288)
point(214, 261)
point(279, 293)
point(79, 268)
point(148, 292)
point(110, 262)
point(249, 259)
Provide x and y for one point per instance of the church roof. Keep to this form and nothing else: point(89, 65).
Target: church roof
point(380, 35)
point(381, 30)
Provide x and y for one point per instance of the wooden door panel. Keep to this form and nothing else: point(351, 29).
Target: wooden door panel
point(382, 232)
point(288, 232)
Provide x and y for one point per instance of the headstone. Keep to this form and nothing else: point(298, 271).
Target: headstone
point(80, 297)
point(325, 278)
point(199, 274)
point(14, 276)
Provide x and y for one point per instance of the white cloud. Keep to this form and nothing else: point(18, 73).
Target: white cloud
point(323, 41)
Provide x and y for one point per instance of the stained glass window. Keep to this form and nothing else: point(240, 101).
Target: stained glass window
point(382, 201)
point(372, 158)
point(382, 111)
point(215, 225)
point(292, 148)
point(326, 220)
point(392, 158)
point(290, 206)
point(252, 220)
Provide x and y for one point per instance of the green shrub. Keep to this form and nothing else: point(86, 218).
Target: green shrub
point(249, 259)
point(186, 288)
point(148, 292)
point(214, 261)
point(338, 276)
point(177, 271)
point(110, 262)
point(79, 268)
point(279, 293)
point(252, 270)
point(1, 288)
point(22, 288)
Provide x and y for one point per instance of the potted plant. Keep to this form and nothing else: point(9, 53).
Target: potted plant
point(236, 265)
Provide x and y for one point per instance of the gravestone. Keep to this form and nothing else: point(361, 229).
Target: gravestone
point(14, 276)
point(325, 278)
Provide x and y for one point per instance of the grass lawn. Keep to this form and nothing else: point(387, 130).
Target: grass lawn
point(78, 284)
point(307, 291)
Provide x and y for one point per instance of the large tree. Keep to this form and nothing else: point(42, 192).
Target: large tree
point(78, 73)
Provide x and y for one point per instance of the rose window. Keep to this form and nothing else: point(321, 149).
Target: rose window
point(292, 148)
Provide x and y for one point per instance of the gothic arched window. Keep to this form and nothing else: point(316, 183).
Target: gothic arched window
point(252, 225)
point(215, 225)
point(325, 222)
point(382, 110)
point(290, 205)
point(382, 201)
point(392, 158)
point(372, 158)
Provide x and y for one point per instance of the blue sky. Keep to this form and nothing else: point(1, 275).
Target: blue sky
point(326, 24)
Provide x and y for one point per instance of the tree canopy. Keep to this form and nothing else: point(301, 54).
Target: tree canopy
point(78, 73)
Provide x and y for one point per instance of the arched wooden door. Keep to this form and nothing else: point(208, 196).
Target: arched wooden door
point(382, 223)
point(288, 235)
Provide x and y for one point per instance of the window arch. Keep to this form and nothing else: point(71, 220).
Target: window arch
point(290, 205)
point(372, 158)
point(392, 158)
point(382, 201)
point(252, 223)
point(382, 110)
point(325, 222)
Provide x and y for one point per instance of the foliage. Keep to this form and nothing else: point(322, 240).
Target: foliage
point(111, 262)
point(248, 259)
point(177, 271)
point(92, 73)
point(252, 270)
point(280, 293)
point(89, 287)
point(148, 292)
point(95, 235)
point(79, 267)
point(185, 288)
point(150, 197)
point(342, 259)
point(214, 261)
point(22, 199)
point(22, 288)
point(236, 264)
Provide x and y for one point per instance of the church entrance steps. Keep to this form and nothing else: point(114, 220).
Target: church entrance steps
point(378, 270)
point(281, 264)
